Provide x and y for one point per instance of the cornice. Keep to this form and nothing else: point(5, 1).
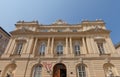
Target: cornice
point(64, 58)
point(22, 31)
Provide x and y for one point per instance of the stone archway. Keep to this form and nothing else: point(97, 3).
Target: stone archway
point(59, 70)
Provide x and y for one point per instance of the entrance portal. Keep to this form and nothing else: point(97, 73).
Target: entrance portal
point(59, 70)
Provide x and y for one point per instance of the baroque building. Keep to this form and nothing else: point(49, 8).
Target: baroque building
point(60, 50)
point(117, 47)
point(4, 39)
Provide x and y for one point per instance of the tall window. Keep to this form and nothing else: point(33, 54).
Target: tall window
point(101, 48)
point(37, 71)
point(42, 49)
point(77, 49)
point(81, 71)
point(19, 48)
point(59, 49)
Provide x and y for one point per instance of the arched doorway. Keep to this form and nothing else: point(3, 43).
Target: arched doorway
point(59, 70)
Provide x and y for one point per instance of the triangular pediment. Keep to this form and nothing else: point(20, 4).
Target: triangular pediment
point(21, 31)
point(98, 30)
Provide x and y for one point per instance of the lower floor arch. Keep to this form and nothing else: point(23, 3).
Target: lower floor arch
point(59, 70)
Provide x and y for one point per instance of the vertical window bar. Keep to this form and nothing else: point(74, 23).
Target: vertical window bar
point(19, 48)
point(42, 49)
point(101, 48)
point(81, 71)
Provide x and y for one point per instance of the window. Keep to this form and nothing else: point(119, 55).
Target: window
point(37, 71)
point(101, 48)
point(74, 30)
point(19, 47)
point(1, 36)
point(44, 30)
point(42, 49)
point(59, 49)
point(81, 71)
point(77, 49)
point(59, 30)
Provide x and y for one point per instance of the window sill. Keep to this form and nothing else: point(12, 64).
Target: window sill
point(15, 55)
point(105, 54)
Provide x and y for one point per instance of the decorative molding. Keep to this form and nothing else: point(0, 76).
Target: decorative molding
point(12, 61)
point(59, 22)
point(38, 61)
point(81, 60)
point(59, 60)
point(107, 60)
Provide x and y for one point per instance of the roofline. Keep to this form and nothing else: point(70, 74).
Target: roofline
point(117, 45)
point(4, 31)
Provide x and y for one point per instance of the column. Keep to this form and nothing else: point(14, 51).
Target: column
point(71, 48)
point(30, 44)
point(52, 44)
point(12, 47)
point(35, 46)
point(66, 45)
point(93, 47)
point(48, 45)
point(88, 45)
point(84, 46)
point(8, 46)
point(111, 46)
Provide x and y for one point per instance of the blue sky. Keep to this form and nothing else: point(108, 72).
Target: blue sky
point(72, 11)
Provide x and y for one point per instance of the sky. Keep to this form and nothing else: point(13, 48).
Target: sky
point(71, 11)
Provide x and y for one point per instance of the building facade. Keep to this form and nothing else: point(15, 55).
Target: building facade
point(117, 47)
point(60, 50)
point(4, 39)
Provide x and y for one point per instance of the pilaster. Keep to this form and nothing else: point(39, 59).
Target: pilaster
point(8, 46)
point(71, 48)
point(35, 46)
point(52, 46)
point(48, 46)
point(109, 42)
point(66, 45)
point(84, 51)
point(88, 45)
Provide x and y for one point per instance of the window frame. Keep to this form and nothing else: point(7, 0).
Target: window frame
point(81, 71)
point(42, 49)
point(77, 48)
point(59, 49)
point(19, 48)
point(35, 69)
point(101, 48)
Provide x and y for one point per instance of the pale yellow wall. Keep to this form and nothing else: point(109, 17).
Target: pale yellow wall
point(90, 55)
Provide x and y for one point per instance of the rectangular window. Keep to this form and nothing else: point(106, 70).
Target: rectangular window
point(77, 50)
point(42, 49)
point(81, 71)
point(19, 48)
point(101, 48)
point(59, 49)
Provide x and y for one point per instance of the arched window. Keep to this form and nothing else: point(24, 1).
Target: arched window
point(59, 49)
point(77, 49)
point(42, 49)
point(37, 72)
point(81, 70)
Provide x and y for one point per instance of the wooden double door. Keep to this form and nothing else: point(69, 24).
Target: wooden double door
point(59, 70)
